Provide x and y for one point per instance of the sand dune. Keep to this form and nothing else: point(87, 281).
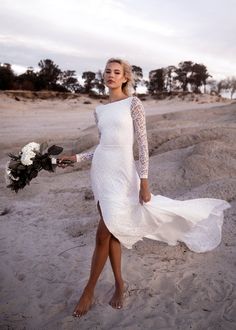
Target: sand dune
point(48, 229)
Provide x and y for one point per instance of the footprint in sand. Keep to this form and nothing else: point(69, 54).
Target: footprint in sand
point(230, 311)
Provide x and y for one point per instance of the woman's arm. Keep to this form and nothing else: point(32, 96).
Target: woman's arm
point(139, 121)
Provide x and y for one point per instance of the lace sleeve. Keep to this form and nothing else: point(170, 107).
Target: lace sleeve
point(139, 121)
point(88, 155)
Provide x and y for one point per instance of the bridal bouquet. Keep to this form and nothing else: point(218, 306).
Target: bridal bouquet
point(25, 166)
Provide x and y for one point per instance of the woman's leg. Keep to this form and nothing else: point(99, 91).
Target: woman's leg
point(115, 259)
point(98, 261)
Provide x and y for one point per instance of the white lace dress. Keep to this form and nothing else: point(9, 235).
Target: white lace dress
point(116, 180)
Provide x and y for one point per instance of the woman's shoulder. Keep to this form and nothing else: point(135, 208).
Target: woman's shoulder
point(115, 103)
point(136, 102)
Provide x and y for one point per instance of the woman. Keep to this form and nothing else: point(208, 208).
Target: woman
point(128, 211)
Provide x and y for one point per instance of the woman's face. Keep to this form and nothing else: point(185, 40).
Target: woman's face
point(114, 75)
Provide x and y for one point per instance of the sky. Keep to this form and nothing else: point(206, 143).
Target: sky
point(82, 34)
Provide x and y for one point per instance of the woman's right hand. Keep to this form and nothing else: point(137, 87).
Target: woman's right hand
point(61, 161)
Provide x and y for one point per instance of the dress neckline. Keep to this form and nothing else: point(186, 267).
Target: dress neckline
point(117, 101)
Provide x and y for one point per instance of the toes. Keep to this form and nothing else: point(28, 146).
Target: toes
point(79, 313)
point(76, 314)
point(119, 305)
point(115, 304)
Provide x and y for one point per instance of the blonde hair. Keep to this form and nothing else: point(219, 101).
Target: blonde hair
point(128, 86)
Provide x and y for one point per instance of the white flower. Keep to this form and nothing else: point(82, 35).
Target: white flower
point(28, 152)
point(31, 146)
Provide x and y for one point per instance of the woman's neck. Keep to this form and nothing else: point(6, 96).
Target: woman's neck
point(116, 96)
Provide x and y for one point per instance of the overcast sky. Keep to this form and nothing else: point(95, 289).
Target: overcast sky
point(83, 34)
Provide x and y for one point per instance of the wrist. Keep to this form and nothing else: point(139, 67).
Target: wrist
point(144, 183)
point(73, 158)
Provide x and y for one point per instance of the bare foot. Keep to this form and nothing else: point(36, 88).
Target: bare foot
point(118, 296)
point(84, 303)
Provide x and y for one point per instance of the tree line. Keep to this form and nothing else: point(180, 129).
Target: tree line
point(186, 77)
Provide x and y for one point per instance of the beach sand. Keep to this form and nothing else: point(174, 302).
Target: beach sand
point(47, 230)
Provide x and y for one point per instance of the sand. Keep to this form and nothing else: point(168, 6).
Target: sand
point(47, 230)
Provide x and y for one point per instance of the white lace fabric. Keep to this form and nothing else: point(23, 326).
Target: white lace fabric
point(139, 122)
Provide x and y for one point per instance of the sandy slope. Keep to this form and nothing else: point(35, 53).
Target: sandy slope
point(47, 230)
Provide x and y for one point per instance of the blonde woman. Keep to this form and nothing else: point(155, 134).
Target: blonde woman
point(128, 210)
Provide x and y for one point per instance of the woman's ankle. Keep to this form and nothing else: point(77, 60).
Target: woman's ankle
point(119, 284)
point(89, 289)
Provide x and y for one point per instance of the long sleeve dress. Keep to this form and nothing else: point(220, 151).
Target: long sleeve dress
point(115, 181)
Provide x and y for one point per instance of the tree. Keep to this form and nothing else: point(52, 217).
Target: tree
point(215, 86)
point(138, 75)
point(169, 73)
point(184, 73)
point(193, 74)
point(199, 77)
point(156, 81)
point(27, 80)
point(99, 82)
point(89, 80)
point(220, 86)
point(212, 84)
point(7, 76)
point(48, 75)
point(230, 85)
point(69, 81)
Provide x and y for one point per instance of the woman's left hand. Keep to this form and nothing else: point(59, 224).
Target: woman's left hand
point(144, 195)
